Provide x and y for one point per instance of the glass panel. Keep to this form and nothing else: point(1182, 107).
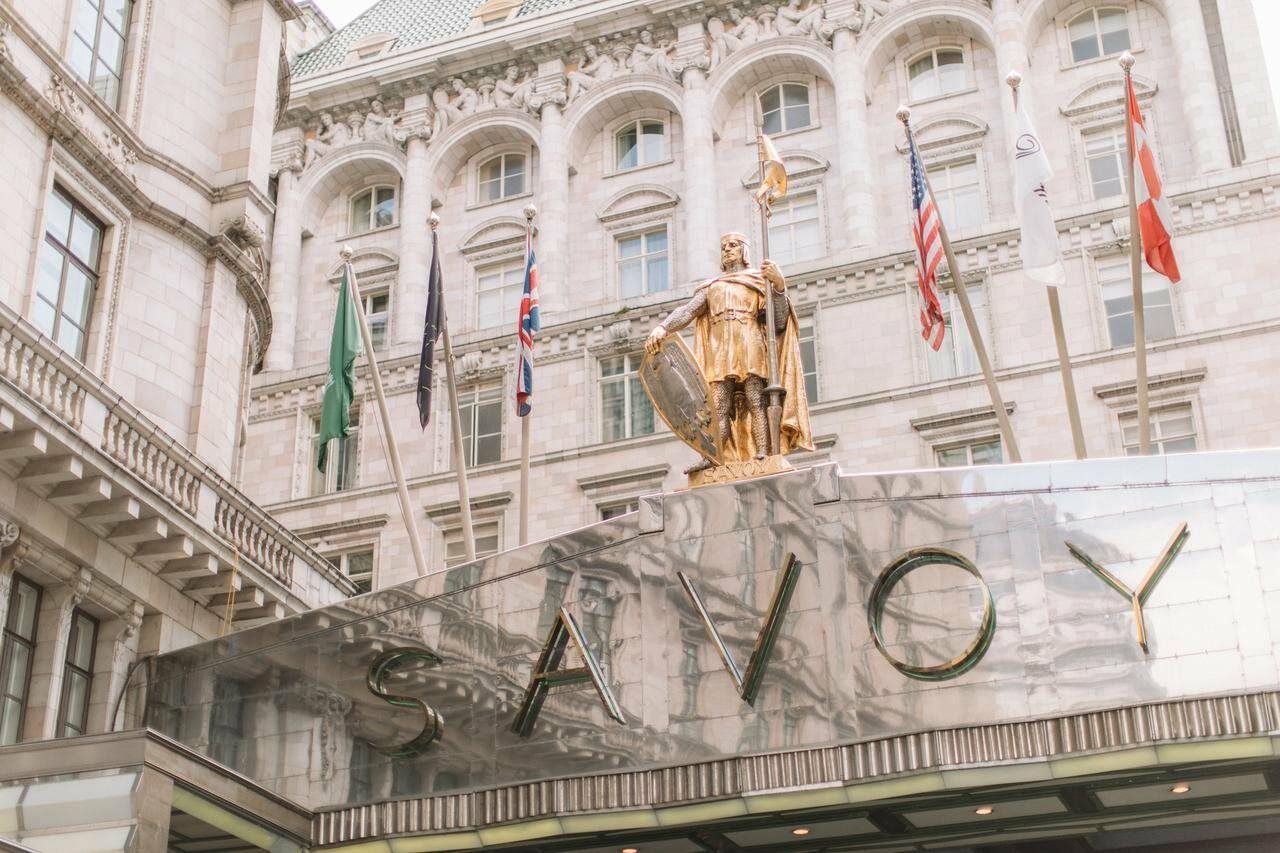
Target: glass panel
point(10, 713)
point(77, 703)
point(612, 366)
point(630, 279)
point(629, 247)
point(58, 217)
point(641, 408)
point(658, 277)
point(85, 239)
point(653, 142)
point(360, 207)
point(627, 148)
point(514, 182)
point(1084, 39)
point(71, 339)
point(15, 680)
point(348, 446)
point(987, 453)
point(771, 110)
point(953, 457)
point(117, 13)
point(49, 274)
point(106, 84)
point(385, 213)
point(81, 652)
point(951, 74)
point(1104, 174)
point(43, 316)
point(86, 20)
point(809, 361)
point(79, 293)
point(924, 82)
point(1115, 31)
point(111, 49)
point(613, 411)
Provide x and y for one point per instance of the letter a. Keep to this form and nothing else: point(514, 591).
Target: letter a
point(547, 674)
point(749, 685)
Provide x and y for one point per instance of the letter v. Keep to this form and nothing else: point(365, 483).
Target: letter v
point(749, 685)
point(547, 674)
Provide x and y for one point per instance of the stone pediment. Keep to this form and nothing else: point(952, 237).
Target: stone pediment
point(949, 130)
point(494, 233)
point(367, 262)
point(1105, 93)
point(800, 164)
point(644, 198)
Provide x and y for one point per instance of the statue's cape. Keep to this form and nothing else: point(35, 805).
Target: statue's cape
point(797, 434)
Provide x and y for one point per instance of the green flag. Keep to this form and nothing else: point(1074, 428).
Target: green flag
point(339, 391)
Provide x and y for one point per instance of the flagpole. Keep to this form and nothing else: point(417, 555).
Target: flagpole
point(455, 422)
point(970, 320)
point(774, 391)
point(1135, 269)
point(1059, 335)
point(393, 451)
point(529, 213)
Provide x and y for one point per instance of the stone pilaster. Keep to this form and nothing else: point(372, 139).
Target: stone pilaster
point(1011, 55)
point(553, 191)
point(856, 203)
point(1200, 103)
point(415, 240)
point(286, 259)
point(702, 252)
point(52, 635)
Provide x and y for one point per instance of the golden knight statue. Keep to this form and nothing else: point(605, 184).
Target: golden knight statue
point(731, 349)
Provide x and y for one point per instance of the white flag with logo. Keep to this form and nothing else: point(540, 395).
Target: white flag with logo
point(1040, 257)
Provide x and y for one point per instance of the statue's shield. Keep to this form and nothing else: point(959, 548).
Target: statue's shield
point(679, 392)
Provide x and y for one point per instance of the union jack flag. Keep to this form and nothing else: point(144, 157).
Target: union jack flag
point(526, 328)
point(926, 227)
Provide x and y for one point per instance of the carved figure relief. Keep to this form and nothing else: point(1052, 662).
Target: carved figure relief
point(869, 10)
point(796, 18)
point(511, 92)
point(648, 57)
point(328, 136)
point(595, 67)
point(379, 125)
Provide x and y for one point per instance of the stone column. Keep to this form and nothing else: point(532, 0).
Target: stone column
point(415, 241)
point(856, 205)
point(286, 260)
point(1200, 104)
point(702, 250)
point(553, 209)
point(1011, 55)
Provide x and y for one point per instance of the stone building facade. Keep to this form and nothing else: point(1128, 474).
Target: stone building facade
point(133, 310)
point(631, 127)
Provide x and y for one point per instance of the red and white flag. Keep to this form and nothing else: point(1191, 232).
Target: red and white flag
point(1155, 220)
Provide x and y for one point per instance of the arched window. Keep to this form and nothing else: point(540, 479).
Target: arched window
point(785, 107)
point(502, 177)
point(936, 73)
point(373, 208)
point(1098, 32)
point(640, 143)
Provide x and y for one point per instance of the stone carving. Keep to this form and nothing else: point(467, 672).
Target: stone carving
point(8, 532)
point(355, 127)
point(866, 11)
point(797, 18)
point(6, 52)
point(648, 57)
point(451, 108)
point(380, 125)
point(249, 239)
point(65, 100)
point(119, 154)
point(513, 93)
point(594, 67)
point(329, 136)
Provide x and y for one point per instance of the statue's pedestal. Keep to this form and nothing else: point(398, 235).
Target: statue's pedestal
point(739, 471)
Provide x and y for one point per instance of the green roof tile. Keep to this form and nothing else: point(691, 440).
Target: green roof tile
point(413, 23)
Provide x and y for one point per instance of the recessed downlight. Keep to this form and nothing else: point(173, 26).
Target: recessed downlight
point(984, 810)
point(801, 831)
point(1180, 788)
point(629, 850)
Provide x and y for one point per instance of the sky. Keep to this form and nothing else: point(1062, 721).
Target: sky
point(1268, 11)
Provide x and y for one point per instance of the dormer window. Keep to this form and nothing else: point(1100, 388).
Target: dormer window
point(370, 46)
point(494, 12)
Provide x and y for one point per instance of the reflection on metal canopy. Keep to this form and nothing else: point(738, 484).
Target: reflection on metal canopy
point(659, 604)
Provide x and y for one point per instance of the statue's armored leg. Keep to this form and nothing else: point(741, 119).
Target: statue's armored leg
point(759, 422)
point(722, 407)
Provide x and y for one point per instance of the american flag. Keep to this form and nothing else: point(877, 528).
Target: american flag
point(527, 327)
point(926, 228)
point(1154, 217)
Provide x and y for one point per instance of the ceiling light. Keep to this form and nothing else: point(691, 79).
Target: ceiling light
point(1180, 788)
point(629, 850)
point(801, 830)
point(984, 810)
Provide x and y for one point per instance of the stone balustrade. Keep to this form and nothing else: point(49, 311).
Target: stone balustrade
point(257, 536)
point(151, 461)
point(43, 371)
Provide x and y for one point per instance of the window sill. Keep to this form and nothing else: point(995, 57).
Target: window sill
point(816, 125)
point(968, 90)
point(476, 205)
point(1110, 57)
point(618, 173)
point(356, 235)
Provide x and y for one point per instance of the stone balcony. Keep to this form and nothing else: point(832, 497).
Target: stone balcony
point(73, 441)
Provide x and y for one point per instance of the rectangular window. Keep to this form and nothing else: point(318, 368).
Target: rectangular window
point(1173, 430)
point(68, 272)
point(613, 510)
point(480, 414)
point(956, 189)
point(795, 230)
point(77, 677)
point(455, 548)
point(98, 42)
point(957, 356)
point(1117, 297)
point(498, 291)
point(341, 469)
point(625, 410)
point(809, 358)
point(357, 565)
point(1104, 153)
point(642, 263)
point(19, 652)
point(376, 306)
point(986, 451)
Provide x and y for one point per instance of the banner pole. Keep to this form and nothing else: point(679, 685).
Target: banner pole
point(970, 319)
point(529, 212)
point(384, 416)
point(1135, 271)
point(455, 423)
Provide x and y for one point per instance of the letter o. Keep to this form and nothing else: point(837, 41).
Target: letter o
point(892, 575)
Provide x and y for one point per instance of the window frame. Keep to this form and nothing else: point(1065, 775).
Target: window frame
point(978, 297)
point(1149, 277)
point(966, 66)
point(328, 482)
point(636, 123)
point(1126, 10)
point(526, 176)
point(73, 37)
point(617, 507)
point(968, 444)
point(1129, 417)
point(513, 265)
point(644, 258)
point(487, 394)
point(67, 257)
point(452, 534)
point(377, 319)
point(371, 225)
point(70, 668)
point(759, 113)
point(1116, 132)
point(629, 378)
point(340, 560)
point(788, 203)
point(31, 644)
point(807, 330)
point(944, 196)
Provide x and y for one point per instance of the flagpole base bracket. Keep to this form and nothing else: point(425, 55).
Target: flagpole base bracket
point(732, 472)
